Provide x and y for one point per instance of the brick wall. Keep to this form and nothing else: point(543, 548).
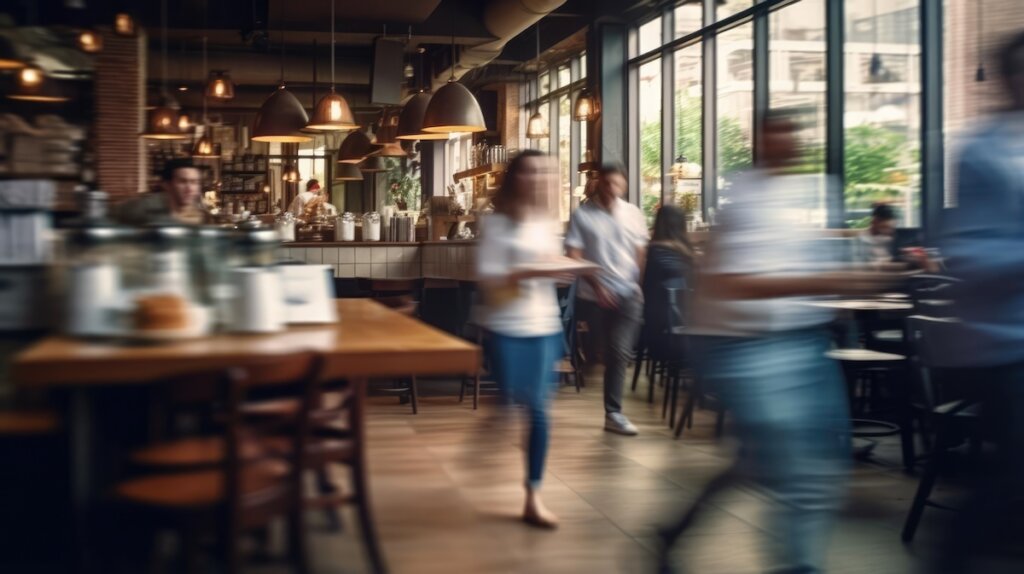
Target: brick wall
point(119, 115)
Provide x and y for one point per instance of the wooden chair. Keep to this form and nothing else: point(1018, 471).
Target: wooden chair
point(399, 295)
point(254, 472)
point(335, 440)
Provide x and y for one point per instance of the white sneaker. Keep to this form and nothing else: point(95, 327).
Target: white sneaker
point(618, 423)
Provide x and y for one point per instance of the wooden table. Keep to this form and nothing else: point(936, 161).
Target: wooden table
point(369, 341)
point(863, 305)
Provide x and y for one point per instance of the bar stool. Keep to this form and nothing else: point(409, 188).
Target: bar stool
point(865, 369)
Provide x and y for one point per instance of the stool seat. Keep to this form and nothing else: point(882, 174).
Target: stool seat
point(862, 356)
point(202, 488)
point(28, 422)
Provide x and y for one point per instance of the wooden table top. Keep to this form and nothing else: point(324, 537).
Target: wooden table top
point(863, 305)
point(369, 341)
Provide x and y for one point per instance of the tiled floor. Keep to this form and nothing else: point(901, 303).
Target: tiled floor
point(447, 493)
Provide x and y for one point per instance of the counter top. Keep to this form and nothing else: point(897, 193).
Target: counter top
point(374, 243)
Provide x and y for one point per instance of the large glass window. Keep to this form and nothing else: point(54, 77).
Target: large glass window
point(564, 156)
point(726, 8)
point(649, 35)
point(735, 77)
point(686, 165)
point(650, 137)
point(796, 36)
point(882, 116)
point(688, 18)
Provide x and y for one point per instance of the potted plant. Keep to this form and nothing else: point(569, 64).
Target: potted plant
point(405, 192)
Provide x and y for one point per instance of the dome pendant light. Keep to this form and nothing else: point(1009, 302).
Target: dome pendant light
point(410, 120)
point(332, 112)
point(537, 127)
point(355, 147)
point(162, 122)
point(34, 86)
point(281, 116)
point(90, 41)
point(587, 107)
point(290, 174)
point(9, 59)
point(453, 108)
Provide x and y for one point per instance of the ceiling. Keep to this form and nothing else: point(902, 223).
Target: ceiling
point(246, 37)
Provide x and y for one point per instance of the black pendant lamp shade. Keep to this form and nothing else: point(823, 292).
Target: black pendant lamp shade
point(163, 122)
point(453, 109)
point(33, 86)
point(373, 164)
point(347, 172)
point(355, 147)
point(332, 114)
point(9, 58)
point(124, 24)
point(587, 107)
point(220, 86)
point(410, 121)
point(280, 118)
point(205, 148)
point(392, 149)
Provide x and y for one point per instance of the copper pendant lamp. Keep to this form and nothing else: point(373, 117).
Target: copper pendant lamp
point(347, 172)
point(332, 113)
point(124, 24)
point(162, 122)
point(220, 86)
point(355, 147)
point(373, 164)
point(9, 58)
point(587, 107)
point(290, 173)
point(204, 146)
point(281, 116)
point(90, 41)
point(537, 127)
point(393, 149)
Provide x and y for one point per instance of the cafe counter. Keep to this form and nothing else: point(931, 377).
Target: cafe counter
point(388, 260)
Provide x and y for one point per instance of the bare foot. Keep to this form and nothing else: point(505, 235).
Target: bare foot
point(536, 514)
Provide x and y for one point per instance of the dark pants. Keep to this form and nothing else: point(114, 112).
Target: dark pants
point(615, 331)
point(986, 515)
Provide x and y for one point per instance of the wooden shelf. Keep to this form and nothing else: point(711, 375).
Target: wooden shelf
point(244, 173)
point(480, 170)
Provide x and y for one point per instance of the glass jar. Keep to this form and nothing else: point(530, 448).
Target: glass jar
point(371, 226)
point(345, 227)
point(285, 226)
point(257, 244)
point(167, 265)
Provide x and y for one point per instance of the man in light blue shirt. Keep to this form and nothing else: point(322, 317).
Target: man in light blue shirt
point(984, 247)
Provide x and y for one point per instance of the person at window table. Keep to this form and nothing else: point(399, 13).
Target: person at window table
point(876, 242)
point(669, 273)
point(307, 203)
point(612, 233)
point(178, 197)
point(521, 306)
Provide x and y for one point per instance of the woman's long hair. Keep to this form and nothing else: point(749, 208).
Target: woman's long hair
point(509, 200)
point(670, 229)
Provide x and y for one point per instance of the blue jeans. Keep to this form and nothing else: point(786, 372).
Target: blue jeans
point(789, 407)
point(524, 368)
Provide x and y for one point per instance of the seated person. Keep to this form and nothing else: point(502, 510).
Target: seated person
point(177, 199)
point(670, 266)
point(875, 244)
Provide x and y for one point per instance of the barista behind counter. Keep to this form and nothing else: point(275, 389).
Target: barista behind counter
point(178, 197)
point(308, 203)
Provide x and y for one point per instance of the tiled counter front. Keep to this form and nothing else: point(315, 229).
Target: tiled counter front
point(389, 261)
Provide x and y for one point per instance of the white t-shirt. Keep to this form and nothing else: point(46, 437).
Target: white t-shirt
point(529, 309)
point(298, 205)
point(763, 230)
point(611, 240)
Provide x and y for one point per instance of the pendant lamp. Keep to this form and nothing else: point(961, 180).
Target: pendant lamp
point(453, 108)
point(392, 149)
point(90, 41)
point(537, 127)
point(281, 116)
point(9, 58)
point(347, 172)
point(587, 107)
point(219, 85)
point(354, 147)
point(204, 146)
point(410, 121)
point(162, 121)
point(387, 127)
point(332, 112)
point(124, 24)
point(34, 86)
point(290, 173)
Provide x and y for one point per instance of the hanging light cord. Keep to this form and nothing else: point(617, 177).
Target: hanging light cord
point(333, 45)
point(981, 60)
point(282, 42)
point(206, 25)
point(452, 78)
point(536, 107)
point(163, 45)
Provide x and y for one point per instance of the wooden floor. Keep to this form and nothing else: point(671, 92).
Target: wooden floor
point(448, 493)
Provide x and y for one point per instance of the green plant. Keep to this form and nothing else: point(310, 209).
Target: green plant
point(404, 189)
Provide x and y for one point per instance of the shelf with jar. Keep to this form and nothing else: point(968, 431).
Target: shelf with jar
point(236, 203)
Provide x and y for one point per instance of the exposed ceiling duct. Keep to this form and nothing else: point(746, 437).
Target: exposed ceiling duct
point(505, 19)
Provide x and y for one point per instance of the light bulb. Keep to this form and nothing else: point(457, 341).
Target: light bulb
point(218, 87)
point(124, 25)
point(30, 76)
point(335, 110)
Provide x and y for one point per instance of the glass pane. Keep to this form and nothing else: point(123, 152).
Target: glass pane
point(650, 137)
point(687, 165)
point(882, 118)
point(564, 77)
point(583, 141)
point(544, 83)
point(796, 37)
point(542, 144)
point(564, 157)
point(650, 35)
point(583, 65)
point(726, 8)
point(688, 18)
point(735, 102)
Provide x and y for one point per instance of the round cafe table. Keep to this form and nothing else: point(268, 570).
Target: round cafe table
point(863, 305)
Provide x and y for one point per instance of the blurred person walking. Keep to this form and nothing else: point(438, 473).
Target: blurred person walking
point(612, 233)
point(520, 308)
point(983, 242)
point(762, 353)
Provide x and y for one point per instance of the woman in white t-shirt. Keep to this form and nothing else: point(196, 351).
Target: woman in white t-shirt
point(520, 308)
